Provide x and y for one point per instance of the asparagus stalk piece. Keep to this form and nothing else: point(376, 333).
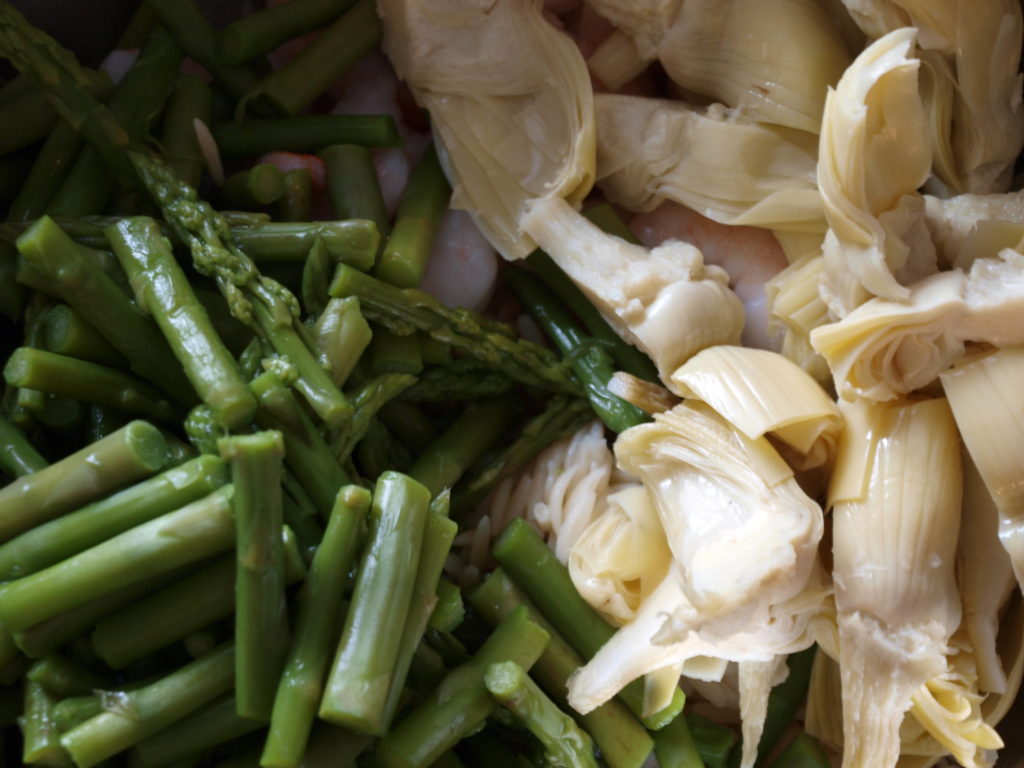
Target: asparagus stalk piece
point(352, 182)
point(316, 275)
point(300, 515)
point(41, 739)
point(261, 616)
point(446, 459)
point(63, 677)
point(27, 117)
point(320, 601)
point(261, 32)
point(712, 741)
point(409, 424)
point(190, 100)
point(368, 399)
point(254, 187)
point(72, 711)
point(450, 610)
point(306, 133)
point(565, 744)
point(342, 335)
point(132, 716)
point(297, 201)
point(351, 241)
point(294, 86)
point(492, 344)
point(18, 457)
point(68, 334)
point(442, 383)
point(591, 363)
point(389, 353)
point(674, 746)
point(623, 741)
point(12, 293)
point(48, 172)
point(404, 258)
point(196, 531)
point(163, 290)
point(461, 703)
point(803, 752)
point(356, 693)
point(130, 454)
point(55, 374)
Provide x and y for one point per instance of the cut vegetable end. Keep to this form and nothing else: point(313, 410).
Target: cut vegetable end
point(147, 443)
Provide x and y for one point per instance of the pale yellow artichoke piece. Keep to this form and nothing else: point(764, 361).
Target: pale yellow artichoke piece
point(663, 300)
point(645, 395)
point(757, 678)
point(715, 161)
point(1011, 651)
point(510, 103)
point(795, 304)
point(617, 60)
point(660, 687)
point(823, 716)
point(773, 59)
point(870, 164)
point(894, 556)
point(761, 392)
point(967, 227)
point(934, 19)
point(937, 82)
point(645, 21)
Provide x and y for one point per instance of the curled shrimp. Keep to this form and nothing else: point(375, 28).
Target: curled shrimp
point(750, 255)
point(463, 266)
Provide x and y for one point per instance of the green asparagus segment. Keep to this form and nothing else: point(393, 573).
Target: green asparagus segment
point(261, 32)
point(297, 201)
point(493, 344)
point(27, 117)
point(442, 383)
point(135, 451)
point(16, 87)
point(408, 423)
point(12, 293)
point(592, 365)
point(353, 186)
point(68, 334)
point(351, 241)
point(18, 457)
point(674, 746)
point(623, 741)
point(190, 100)
point(78, 278)
point(130, 717)
point(438, 535)
point(307, 455)
point(478, 427)
point(188, 535)
point(253, 188)
point(200, 643)
point(316, 276)
point(713, 742)
point(565, 743)
point(41, 739)
point(163, 290)
point(450, 610)
point(306, 133)
point(378, 451)
point(802, 752)
point(63, 677)
point(178, 609)
point(261, 616)
point(342, 335)
point(72, 711)
point(293, 87)
point(461, 703)
point(364, 668)
point(368, 399)
point(194, 735)
point(533, 567)
point(404, 258)
point(13, 170)
point(300, 515)
point(50, 168)
point(232, 332)
point(138, 27)
point(320, 602)
point(55, 374)
point(389, 353)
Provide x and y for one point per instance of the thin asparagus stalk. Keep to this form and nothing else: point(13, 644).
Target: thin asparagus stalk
point(41, 740)
point(162, 287)
point(178, 609)
point(461, 703)
point(368, 399)
point(188, 535)
point(63, 677)
point(232, 332)
point(67, 333)
point(300, 515)
point(257, 33)
point(378, 451)
point(316, 276)
point(27, 117)
point(72, 711)
point(293, 87)
point(389, 353)
point(135, 451)
point(18, 457)
point(446, 459)
point(320, 600)
point(409, 424)
point(623, 741)
point(442, 383)
point(190, 100)
point(261, 617)
point(352, 182)
point(565, 743)
point(352, 241)
point(342, 335)
point(253, 188)
point(297, 201)
point(136, 715)
point(357, 688)
point(450, 610)
point(404, 258)
point(492, 344)
point(306, 133)
point(50, 168)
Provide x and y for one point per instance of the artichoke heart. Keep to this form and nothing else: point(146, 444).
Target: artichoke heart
point(510, 102)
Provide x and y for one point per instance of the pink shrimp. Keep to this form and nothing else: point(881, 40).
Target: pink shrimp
point(750, 255)
point(463, 266)
point(290, 161)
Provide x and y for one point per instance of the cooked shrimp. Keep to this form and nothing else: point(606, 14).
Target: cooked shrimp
point(290, 161)
point(750, 255)
point(463, 265)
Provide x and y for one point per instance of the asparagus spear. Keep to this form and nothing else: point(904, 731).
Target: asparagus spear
point(133, 452)
point(162, 288)
point(342, 335)
point(364, 667)
point(803, 752)
point(297, 201)
point(253, 188)
point(590, 362)
point(68, 334)
point(442, 383)
point(565, 744)
point(41, 740)
point(306, 133)
point(712, 741)
point(48, 172)
point(450, 610)
point(138, 27)
point(409, 424)
point(190, 100)
point(261, 617)
point(261, 32)
point(196, 531)
point(675, 747)
point(12, 293)
point(461, 704)
point(493, 344)
point(320, 601)
point(368, 399)
point(141, 713)
point(69, 712)
point(352, 182)
point(351, 241)
point(55, 374)
point(27, 117)
point(389, 353)
point(18, 457)
point(63, 677)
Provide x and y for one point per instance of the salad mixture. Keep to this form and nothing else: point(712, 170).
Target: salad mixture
point(473, 382)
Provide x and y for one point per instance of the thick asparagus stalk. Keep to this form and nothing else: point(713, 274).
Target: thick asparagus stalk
point(368, 399)
point(351, 241)
point(253, 188)
point(296, 203)
point(409, 424)
point(461, 703)
point(364, 667)
point(342, 335)
point(190, 100)
point(390, 353)
point(130, 454)
point(163, 289)
point(450, 610)
point(803, 752)
point(675, 747)
point(41, 739)
point(50, 168)
point(18, 457)
point(261, 616)
point(63, 677)
point(564, 742)
point(306, 133)
point(55, 374)
point(74, 710)
point(68, 334)
point(188, 535)
point(144, 712)
point(320, 601)
point(352, 183)
point(492, 344)
point(261, 32)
